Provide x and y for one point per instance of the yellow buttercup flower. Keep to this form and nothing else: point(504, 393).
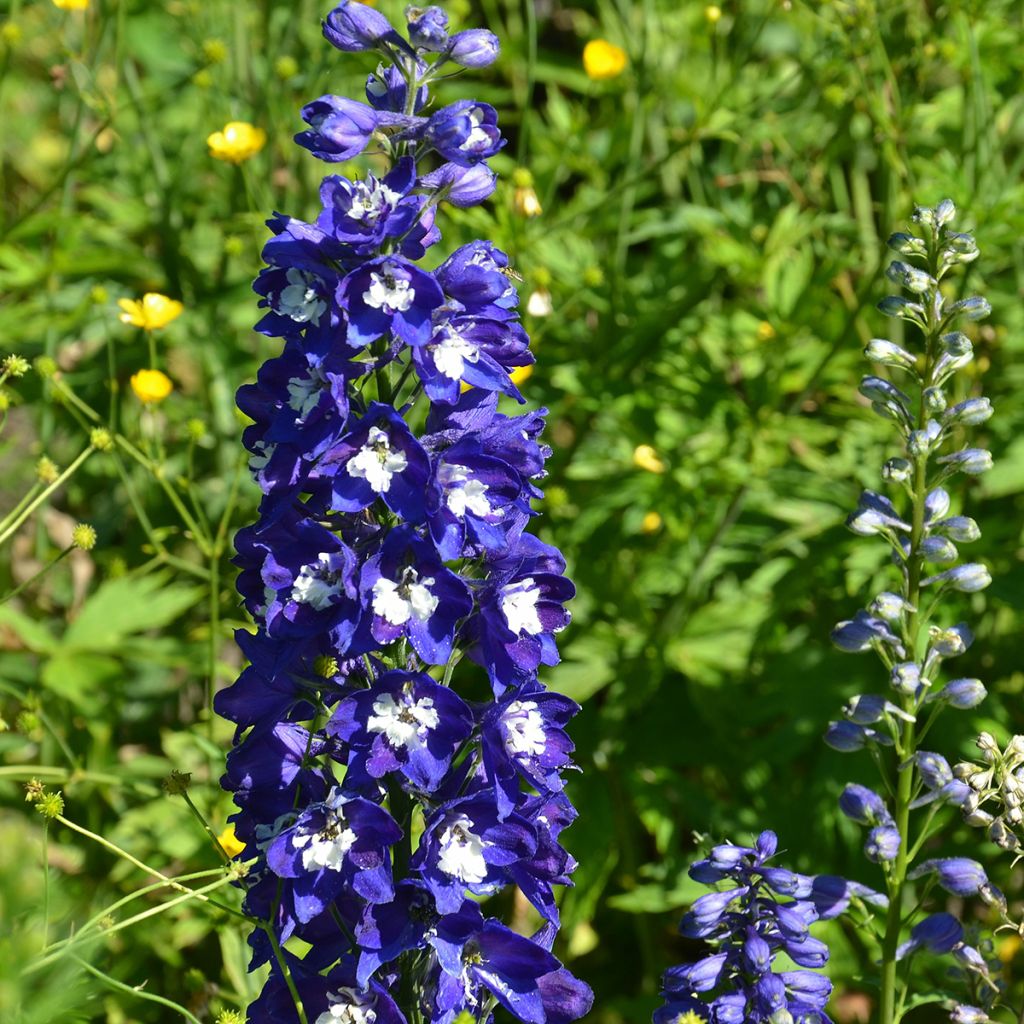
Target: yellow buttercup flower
point(151, 386)
point(645, 457)
point(230, 843)
point(71, 5)
point(151, 312)
point(602, 59)
point(651, 522)
point(521, 373)
point(237, 142)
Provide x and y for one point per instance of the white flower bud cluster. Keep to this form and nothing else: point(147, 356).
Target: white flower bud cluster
point(998, 782)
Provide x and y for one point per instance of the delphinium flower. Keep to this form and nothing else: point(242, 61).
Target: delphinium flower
point(907, 627)
point(760, 913)
point(397, 757)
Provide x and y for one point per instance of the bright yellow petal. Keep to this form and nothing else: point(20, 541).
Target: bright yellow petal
point(151, 386)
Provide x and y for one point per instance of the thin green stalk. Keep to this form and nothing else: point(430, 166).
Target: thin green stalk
point(288, 980)
point(214, 646)
point(37, 575)
point(135, 991)
point(9, 527)
point(46, 882)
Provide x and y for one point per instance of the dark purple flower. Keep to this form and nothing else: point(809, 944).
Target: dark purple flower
point(407, 591)
point(938, 933)
point(389, 929)
point(461, 186)
point(428, 28)
point(353, 26)
point(466, 846)
point(339, 128)
point(389, 294)
point(378, 458)
point(474, 48)
point(465, 132)
point(864, 806)
point(476, 275)
point(407, 723)
point(957, 875)
point(341, 842)
point(882, 844)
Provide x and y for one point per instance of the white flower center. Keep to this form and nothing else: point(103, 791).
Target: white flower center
point(377, 462)
point(405, 723)
point(519, 606)
point(390, 292)
point(410, 598)
point(317, 583)
point(369, 200)
point(304, 392)
point(326, 848)
point(348, 1006)
point(451, 354)
point(477, 137)
point(524, 728)
point(464, 494)
point(299, 300)
point(462, 852)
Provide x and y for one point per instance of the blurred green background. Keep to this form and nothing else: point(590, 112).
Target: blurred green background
point(702, 278)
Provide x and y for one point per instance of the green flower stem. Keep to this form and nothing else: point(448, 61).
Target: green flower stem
point(905, 748)
point(201, 818)
point(46, 882)
point(128, 922)
point(136, 991)
point(107, 844)
point(37, 575)
point(10, 526)
point(288, 980)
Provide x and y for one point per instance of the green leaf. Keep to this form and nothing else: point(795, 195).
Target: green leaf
point(125, 606)
point(82, 679)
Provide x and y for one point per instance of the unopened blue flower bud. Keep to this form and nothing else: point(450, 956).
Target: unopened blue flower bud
point(923, 442)
point(904, 309)
point(970, 958)
point(976, 307)
point(888, 353)
point(964, 1014)
point(936, 504)
point(957, 875)
point(864, 805)
point(906, 678)
point(354, 26)
point(962, 529)
point(944, 212)
point(968, 460)
point(909, 277)
point(948, 643)
point(938, 549)
point(959, 248)
point(879, 390)
point(923, 215)
point(757, 954)
point(907, 245)
point(969, 413)
point(938, 933)
point(882, 844)
point(897, 470)
point(934, 399)
point(845, 737)
point(957, 345)
point(968, 578)
point(890, 606)
point(474, 48)
point(865, 709)
point(428, 28)
point(963, 694)
point(934, 769)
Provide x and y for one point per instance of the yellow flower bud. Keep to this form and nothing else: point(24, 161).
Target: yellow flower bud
point(83, 536)
point(237, 142)
point(47, 470)
point(521, 373)
point(100, 438)
point(286, 67)
point(651, 522)
point(15, 366)
point(214, 51)
point(50, 805)
point(602, 59)
point(713, 13)
point(151, 386)
point(45, 366)
point(71, 5)
point(10, 33)
point(151, 312)
point(230, 843)
point(765, 331)
point(645, 457)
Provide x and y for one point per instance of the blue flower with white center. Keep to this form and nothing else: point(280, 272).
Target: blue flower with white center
point(407, 591)
point(406, 723)
point(378, 458)
point(523, 736)
point(389, 294)
point(476, 276)
point(471, 350)
point(465, 132)
point(465, 846)
point(342, 843)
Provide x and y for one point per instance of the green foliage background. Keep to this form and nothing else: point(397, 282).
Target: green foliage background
point(712, 239)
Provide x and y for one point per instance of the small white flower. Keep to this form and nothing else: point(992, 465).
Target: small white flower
point(298, 299)
point(377, 462)
point(405, 723)
point(519, 606)
point(523, 725)
point(462, 852)
point(317, 583)
point(386, 291)
point(410, 598)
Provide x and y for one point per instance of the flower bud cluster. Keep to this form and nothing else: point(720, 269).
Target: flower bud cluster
point(998, 782)
point(765, 911)
point(377, 804)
